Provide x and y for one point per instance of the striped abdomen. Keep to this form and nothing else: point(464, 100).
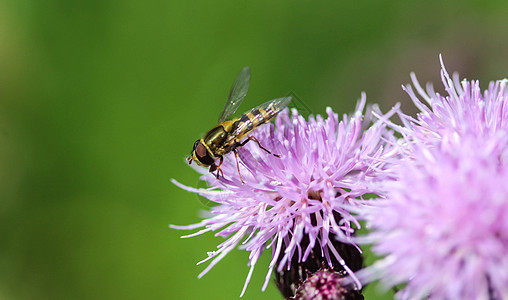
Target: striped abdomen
point(250, 120)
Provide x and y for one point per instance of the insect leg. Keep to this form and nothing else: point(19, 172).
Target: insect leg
point(238, 166)
point(259, 144)
point(214, 167)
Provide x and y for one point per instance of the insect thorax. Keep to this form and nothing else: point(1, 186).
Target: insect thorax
point(215, 138)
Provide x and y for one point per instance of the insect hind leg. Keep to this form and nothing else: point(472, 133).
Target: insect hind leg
point(251, 138)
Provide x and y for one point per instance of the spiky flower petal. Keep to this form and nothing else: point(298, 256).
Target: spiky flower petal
point(464, 111)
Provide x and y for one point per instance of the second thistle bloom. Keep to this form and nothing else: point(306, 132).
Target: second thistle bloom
point(465, 111)
point(299, 202)
point(442, 228)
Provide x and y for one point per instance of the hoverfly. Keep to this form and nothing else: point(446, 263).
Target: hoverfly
point(227, 135)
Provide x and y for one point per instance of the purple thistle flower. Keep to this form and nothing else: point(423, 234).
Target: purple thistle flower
point(465, 111)
point(442, 227)
point(303, 195)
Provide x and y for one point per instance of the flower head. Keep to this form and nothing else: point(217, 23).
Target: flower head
point(299, 202)
point(327, 284)
point(465, 111)
point(442, 226)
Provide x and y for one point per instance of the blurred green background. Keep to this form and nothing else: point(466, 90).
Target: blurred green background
point(101, 100)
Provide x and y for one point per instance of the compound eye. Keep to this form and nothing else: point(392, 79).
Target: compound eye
point(200, 150)
point(203, 155)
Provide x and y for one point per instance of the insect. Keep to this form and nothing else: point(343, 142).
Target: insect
point(227, 135)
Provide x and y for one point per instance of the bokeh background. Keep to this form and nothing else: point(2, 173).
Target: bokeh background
point(100, 101)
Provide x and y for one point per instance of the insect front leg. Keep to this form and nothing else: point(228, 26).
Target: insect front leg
point(259, 144)
point(215, 167)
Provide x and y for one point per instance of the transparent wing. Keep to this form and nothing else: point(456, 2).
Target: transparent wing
point(237, 93)
point(274, 106)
